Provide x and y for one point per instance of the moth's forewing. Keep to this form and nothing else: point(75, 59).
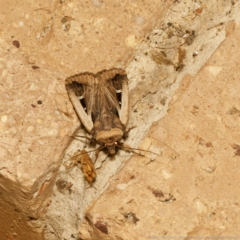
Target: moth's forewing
point(79, 88)
point(117, 78)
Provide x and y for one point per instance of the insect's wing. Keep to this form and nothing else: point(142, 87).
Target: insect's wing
point(117, 78)
point(88, 167)
point(81, 93)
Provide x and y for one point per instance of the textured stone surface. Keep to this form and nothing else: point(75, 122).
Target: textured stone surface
point(41, 44)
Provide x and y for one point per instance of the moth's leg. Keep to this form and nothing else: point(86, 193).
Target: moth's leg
point(88, 138)
point(74, 160)
point(127, 131)
point(97, 151)
point(73, 163)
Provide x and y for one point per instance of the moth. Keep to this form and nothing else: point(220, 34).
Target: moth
point(87, 166)
point(102, 103)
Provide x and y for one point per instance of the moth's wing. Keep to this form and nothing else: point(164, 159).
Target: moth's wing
point(118, 78)
point(80, 89)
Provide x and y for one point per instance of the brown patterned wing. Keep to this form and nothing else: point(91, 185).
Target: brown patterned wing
point(80, 89)
point(115, 88)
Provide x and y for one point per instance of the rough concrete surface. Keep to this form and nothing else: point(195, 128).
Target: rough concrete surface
point(42, 43)
point(182, 62)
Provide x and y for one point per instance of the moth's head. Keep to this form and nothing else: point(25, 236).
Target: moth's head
point(111, 149)
point(110, 139)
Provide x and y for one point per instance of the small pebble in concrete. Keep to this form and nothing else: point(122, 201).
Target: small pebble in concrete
point(4, 118)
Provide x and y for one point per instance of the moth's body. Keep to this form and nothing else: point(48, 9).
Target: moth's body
point(107, 127)
point(108, 131)
point(103, 107)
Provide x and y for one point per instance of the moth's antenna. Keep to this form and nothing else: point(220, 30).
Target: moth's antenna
point(124, 147)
